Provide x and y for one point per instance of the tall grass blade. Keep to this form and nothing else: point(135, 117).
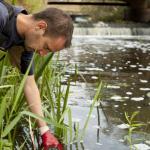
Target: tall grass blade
point(42, 67)
point(49, 121)
point(70, 124)
point(50, 98)
point(9, 127)
point(66, 97)
point(3, 107)
point(91, 109)
point(20, 90)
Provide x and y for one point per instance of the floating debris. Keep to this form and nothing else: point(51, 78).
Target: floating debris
point(123, 126)
point(137, 99)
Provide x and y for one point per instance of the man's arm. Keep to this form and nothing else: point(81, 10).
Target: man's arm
point(34, 102)
point(33, 98)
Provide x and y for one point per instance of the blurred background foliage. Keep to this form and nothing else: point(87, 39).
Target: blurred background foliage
point(30, 5)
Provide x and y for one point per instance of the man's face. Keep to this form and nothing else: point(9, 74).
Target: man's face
point(37, 40)
point(48, 44)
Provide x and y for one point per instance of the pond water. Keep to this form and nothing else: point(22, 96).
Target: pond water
point(123, 65)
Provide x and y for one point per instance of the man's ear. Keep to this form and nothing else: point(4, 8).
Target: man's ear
point(42, 26)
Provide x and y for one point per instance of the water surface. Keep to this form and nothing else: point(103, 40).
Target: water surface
point(123, 65)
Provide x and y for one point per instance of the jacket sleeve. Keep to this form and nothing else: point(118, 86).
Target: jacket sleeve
point(26, 58)
point(3, 16)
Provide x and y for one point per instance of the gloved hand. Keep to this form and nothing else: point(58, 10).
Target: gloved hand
point(49, 141)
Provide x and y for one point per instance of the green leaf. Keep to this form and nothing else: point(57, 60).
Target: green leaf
point(42, 67)
point(66, 97)
point(9, 127)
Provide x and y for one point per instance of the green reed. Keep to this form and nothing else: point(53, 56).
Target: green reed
point(54, 95)
point(133, 126)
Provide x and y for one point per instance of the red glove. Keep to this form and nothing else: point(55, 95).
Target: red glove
point(49, 141)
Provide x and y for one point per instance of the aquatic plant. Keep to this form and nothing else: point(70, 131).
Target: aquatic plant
point(12, 104)
point(133, 126)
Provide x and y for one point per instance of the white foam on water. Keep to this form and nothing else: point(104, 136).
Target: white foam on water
point(129, 93)
point(100, 144)
point(133, 66)
point(114, 69)
point(128, 62)
point(108, 65)
point(139, 107)
point(116, 98)
point(92, 64)
point(147, 142)
point(143, 81)
point(94, 69)
point(145, 69)
point(126, 97)
point(129, 45)
point(120, 68)
point(113, 87)
point(141, 146)
point(116, 106)
point(145, 89)
point(97, 127)
point(121, 140)
point(120, 48)
point(94, 77)
point(67, 75)
point(140, 65)
point(123, 126)
point(137, 99)
point(148, 94)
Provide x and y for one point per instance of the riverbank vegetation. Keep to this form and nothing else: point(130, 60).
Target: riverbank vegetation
point(17, 126)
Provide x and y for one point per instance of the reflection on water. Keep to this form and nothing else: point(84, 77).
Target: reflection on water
point(123, 64)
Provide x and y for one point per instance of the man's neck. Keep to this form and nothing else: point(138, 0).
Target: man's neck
point(22, 24)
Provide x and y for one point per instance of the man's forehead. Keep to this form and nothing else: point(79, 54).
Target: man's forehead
point(58, 43)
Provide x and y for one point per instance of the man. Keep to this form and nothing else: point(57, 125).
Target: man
point(47, 31)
